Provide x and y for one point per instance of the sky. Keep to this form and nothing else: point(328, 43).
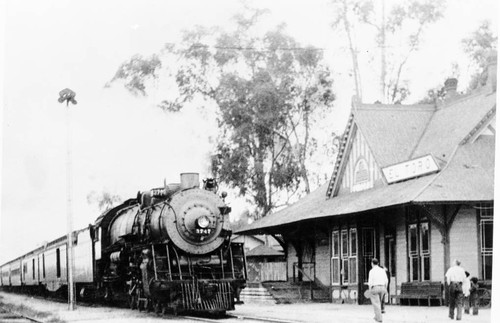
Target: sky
point(121, 143)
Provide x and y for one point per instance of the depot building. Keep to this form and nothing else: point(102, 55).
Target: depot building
point(412, 186)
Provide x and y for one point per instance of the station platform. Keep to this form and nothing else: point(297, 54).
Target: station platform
point(47, 311)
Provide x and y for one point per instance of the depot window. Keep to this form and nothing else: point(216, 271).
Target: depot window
point(486, 236)
point(344, 256)
point(58, 262)
point(418, 241)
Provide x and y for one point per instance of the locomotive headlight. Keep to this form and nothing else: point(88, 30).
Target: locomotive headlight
point(203, 222)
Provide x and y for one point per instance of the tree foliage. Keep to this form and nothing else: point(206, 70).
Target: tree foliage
point(481, 47)
point(136, 71)
point(407, 21)
point(269, 91)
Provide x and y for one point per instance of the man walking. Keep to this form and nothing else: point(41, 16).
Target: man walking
point(455, 276)
point(377, 283)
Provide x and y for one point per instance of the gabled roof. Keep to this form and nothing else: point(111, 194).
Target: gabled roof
point(392, 131)
point(451, 123)
point(395, 134)
point(474, 162)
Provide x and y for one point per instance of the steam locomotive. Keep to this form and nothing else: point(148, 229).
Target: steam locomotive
point(167, 249)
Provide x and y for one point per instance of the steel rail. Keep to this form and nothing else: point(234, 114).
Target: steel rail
point(240, 318)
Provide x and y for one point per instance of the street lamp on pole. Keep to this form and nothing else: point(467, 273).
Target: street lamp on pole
point(69, 96)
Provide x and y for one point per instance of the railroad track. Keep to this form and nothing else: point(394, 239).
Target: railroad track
point(6, 315)
point(239, 318)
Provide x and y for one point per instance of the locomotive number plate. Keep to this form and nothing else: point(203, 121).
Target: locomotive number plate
point(203, 231)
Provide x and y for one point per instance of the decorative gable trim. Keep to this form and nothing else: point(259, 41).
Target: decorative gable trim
point(344, 149)
point(362, 178)
point(480, 127)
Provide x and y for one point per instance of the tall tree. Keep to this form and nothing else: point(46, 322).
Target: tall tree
point(481, 46)
point(404, 21)
point(269, 91)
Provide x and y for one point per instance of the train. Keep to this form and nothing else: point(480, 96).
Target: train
point(166, 249)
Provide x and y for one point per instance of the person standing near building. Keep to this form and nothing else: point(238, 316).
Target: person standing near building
point(377, 283)
point(455, 277)
point(466, 290)
point(474, 295)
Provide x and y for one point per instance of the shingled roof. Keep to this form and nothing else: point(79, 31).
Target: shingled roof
point(264, 251)
point(392, 131)
point(397, 133)
point(451, 123)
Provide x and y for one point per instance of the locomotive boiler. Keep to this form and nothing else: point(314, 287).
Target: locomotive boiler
point(169, 249)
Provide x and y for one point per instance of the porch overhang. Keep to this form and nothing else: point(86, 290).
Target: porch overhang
point(316, 205)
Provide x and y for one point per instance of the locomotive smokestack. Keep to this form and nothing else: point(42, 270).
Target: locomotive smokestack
point(190, 180)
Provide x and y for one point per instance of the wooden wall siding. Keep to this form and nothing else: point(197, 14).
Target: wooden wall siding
point(267, 271)
point(323, 259)
point(401, 252)
point(291, 259)
point(359, 150)
point(464, 241)
point(437, 254)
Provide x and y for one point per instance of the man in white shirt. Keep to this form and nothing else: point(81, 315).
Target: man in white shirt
point(377, 283)
point(455, 277)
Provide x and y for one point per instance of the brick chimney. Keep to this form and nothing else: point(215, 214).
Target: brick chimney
point(450, 88)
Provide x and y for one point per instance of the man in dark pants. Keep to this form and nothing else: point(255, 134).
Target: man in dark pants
point(474, 297)
point(455, 277)
point(382, 301)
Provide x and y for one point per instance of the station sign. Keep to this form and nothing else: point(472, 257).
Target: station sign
point(410, 169)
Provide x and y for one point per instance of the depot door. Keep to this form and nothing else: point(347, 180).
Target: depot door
point(390, 262)
point(369, 251)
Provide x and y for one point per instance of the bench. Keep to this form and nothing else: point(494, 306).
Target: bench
point(420, 291)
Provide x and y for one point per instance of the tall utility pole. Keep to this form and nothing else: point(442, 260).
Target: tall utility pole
point(69, 96)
